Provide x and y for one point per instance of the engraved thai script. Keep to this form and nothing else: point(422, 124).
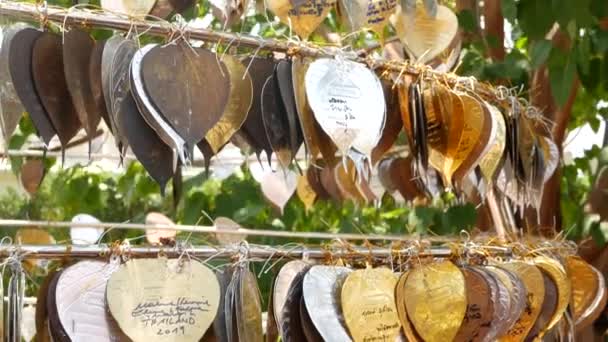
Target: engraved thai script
point(312, 7)
point(378, 11)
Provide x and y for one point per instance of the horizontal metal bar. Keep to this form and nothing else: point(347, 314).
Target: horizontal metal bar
point(105, 20)
point(207, 230)
point(254, 252)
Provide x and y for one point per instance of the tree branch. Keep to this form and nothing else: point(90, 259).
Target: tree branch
point(494, 28)
point(470, 5)
point(541, 96)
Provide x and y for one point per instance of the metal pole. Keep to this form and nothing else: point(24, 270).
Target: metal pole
point(255, 252)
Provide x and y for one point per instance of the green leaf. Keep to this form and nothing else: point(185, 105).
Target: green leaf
point(509, 9)
point(599, 8)
point(600, 41)
point(599, 232)
point(589, 222)
point(467, 20)
point(420, 219)
point(534, 18)
point(562, 72)
point(582, 51)
point(563, 10)
point(457, 219)
point(539, 52)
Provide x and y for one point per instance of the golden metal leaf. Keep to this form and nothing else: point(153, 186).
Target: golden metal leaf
point(303, 17)
point(558, 274)
point(474, 139)
point(435, 299)
point(346, 180)
point(584, 285)
point(130, 7)
point(249, 311)
point(408, 328)
point(239, 103)
point(533, 281)
point(165, 287)
point(367, 14)
point(33, 236)
point(426, 37)
point(597, 306)
point(368, 305)
point(305, 192)
point(491, 160)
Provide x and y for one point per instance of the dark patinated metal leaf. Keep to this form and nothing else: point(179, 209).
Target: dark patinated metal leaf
point(328, 180)
point(58, 333)
point(20, 66)
point(118, 83)
point(151, 113)
point(272, 330)
point(219, 324)
point(313, 174)
point(308, 327)
point(419, 124)
point(253, 127)
point(291, 325)
point(393, 124)
point(96, 83)
point(317, 141)
point(42, 318)
point(180, 6)
point(149, 149)
point(11, 109)
point(189, 86)
point(161, 9)
point(275, 122)
point(284, 77)
point(78, 47)
point(51, 86)
point(107, 59)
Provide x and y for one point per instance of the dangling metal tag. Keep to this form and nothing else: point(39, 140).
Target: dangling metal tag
point(16, 291)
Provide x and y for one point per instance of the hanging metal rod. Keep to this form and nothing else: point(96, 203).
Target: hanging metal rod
point(37, 154)
point(105, 20)
point(210, 230)
point(253, 252)
point(114, 21)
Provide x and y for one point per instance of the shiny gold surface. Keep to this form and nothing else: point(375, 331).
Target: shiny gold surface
point(368, 305)
point(33, 236)
point(455, 133)
point(367, 14)
point(584, 284)
point(249, 312)
point(163, 300)
point(424, 36)
point(130, 7)
point(491, 161)
point(239, 102)
point(474, 137)
point(435, 299)
point(558, 274)
point(305, 192)
point(533, 281)
point(408, 329)
point(596, 308)
point(303, 19)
